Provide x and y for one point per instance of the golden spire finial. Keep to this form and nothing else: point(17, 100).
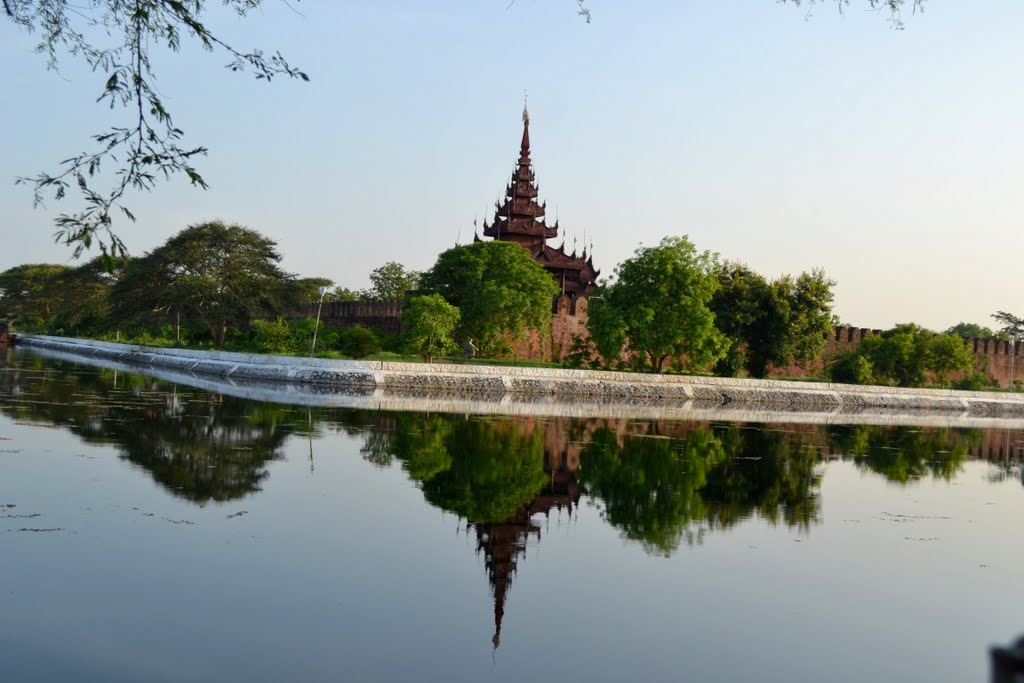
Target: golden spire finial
point(526, 112)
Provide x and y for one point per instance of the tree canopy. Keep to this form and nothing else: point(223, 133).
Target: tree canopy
point(392, 281)
point(429, 323)
point(971, 331)
point(501, 293)
point(117, 40)
point(658, 307)
point(1012, 326)
point(220, 276)
point(907, 356)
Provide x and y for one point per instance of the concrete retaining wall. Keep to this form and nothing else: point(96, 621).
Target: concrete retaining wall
point(467, 381)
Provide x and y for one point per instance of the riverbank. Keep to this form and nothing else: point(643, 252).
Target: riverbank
point(479, 384)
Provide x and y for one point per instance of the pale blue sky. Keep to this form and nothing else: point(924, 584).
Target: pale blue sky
point(892, 159)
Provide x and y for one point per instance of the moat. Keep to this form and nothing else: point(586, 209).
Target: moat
point(155, 531)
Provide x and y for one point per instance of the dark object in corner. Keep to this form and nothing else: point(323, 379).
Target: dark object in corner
point(1008, 663)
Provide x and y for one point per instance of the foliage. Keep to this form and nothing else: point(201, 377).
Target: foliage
point(357, 341)
point(905, 454)
point(27, 293)
point(894, 7)
point(971, 331)
point(907, 356)
point(649, 487)
point(306, 290)
point(501, 293)
point(195, 448)
point(659, 490)
point(392, 281)
point(214, 275)
point(273, 336)
point(51, 298)
point(483, 471)
point(851, 368)
point(658, 307)
point(975, 381)
point(116, 39)
point(429, 322)
point(342, 294)
point(1012, 326)
point(770, 323)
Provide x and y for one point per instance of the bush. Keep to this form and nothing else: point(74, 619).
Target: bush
point(851, 368)
point(358, 341)
point(273, 337)
point(974, 381)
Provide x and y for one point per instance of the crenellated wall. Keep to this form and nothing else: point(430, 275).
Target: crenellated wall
point(384, 316)
point(569, 323)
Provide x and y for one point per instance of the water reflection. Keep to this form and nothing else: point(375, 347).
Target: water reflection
point(201, 447)
point(662, 485)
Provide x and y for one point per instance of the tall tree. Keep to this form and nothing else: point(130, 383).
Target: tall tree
point(216, 275)
point(116, 40)
point(27, 293)
point(429, 323)
point(501, 293)
point(658, 307)
point(771, 323)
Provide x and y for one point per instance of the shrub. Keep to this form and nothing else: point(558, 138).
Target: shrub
point(358, 341)
point(974, 381)
point(273, 336)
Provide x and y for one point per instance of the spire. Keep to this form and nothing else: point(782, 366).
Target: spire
point(524, 148)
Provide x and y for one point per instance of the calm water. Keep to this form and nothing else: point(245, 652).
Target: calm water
point(156, 532)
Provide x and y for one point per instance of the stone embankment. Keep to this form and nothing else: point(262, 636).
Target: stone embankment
point(517, 384)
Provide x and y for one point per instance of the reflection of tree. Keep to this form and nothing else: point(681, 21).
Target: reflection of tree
point(199, 446)
point(905, 454)
point(650, 486)
point(659, 491)
point(769, 471)
point(493, 473)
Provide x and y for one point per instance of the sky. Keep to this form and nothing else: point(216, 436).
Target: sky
point(890, 159)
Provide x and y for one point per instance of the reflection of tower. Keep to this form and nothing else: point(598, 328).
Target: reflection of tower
point(503, 543)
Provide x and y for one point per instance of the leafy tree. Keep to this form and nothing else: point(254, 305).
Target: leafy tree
point(429, 322)
point(501, 293)
point(1012, 326)
point(215, 275)
point(57, 298)
point(749, 311)
point(907, 355)
point(658, 306)
point(116, 39)
point(28, 295)
point(392, 281)
point(971, 331)
point(84, 297)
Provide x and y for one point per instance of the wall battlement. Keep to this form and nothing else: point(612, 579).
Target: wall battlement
point(569, 323)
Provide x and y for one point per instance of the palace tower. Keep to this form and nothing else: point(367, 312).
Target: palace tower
point(520, 218)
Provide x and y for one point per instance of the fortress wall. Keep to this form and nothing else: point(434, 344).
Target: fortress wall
point(569, 322)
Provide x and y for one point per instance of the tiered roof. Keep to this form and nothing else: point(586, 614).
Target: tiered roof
point(520, 218)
